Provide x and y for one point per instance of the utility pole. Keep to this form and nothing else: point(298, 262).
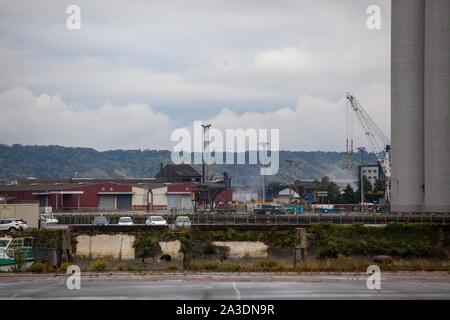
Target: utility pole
point(264, 145)
point(289, 161)
point(205, 145)
point(361, 150)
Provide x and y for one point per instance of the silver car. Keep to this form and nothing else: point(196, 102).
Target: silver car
point(156, 221)
point(125, 221)
point(182, 221)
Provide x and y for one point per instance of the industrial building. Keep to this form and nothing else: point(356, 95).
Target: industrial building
point(178, 173)
point(372, 172)
point(179, 196)
point(111, 195)
point(72, 196)
point(420, 106)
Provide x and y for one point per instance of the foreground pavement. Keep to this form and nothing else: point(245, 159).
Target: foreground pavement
point(226, 286)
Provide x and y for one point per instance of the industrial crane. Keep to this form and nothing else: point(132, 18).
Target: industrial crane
point(379, 142)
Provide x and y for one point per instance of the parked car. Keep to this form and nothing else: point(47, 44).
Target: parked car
point(125, 221)
point(46, 219)
point(12, 225)
point(156, 221)
point(100, 221)
point(182, 221)
point(332, 210)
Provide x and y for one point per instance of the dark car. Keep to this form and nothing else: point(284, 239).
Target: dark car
point(100, 221)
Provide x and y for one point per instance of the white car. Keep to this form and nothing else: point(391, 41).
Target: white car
point(48, 219)
point(125, 221)
point(12, 225)
point(156, 221)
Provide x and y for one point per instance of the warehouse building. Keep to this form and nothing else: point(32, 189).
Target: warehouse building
point(72, 196)
point(179, 196)
point(108, 196)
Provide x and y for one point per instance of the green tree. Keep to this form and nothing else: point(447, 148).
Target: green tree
point(349, 195)
point(333, 193)
point(147, 246)
point(325, 181)
point(379, 186)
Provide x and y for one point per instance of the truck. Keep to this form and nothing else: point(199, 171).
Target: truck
point(267, 208)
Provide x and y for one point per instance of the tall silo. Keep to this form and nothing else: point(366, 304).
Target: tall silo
point(437, 106)
point(407, 105)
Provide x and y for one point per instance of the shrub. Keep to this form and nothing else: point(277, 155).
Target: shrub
point(20, 265)
point(37, 267)
point(211, 265)
point(173, 267)
point(100, 265)
point(63, 267)
point(267, 265)
point(234, 267)
point(131, 267)
point(349, 264)
point(121, 266)
point(209, 249)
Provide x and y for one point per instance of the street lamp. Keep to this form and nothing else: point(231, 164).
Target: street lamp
point(264, 145)
point(289, 161)
point(361, 150)
point(204, 145)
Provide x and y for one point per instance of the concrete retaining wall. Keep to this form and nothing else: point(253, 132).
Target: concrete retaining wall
point(171, 248)
point(244, 249)
point(118, 247)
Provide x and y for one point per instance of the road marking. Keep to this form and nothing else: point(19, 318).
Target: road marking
point(238, 294)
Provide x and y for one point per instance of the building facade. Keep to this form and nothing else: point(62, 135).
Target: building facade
point(372, 172)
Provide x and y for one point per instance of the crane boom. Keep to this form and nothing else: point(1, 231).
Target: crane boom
point(379, 142)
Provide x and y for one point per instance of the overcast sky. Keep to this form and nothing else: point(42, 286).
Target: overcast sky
point(139, 69)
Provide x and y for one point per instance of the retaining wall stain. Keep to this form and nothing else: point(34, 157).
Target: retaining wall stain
point(244, 249)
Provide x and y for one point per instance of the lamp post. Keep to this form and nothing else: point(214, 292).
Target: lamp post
point(264, 145)
point(289, 161)
point(205, 145)
point(361, 150)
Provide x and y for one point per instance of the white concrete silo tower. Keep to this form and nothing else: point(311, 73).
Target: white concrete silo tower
point(420, 105)
point(407, 105)
point(437, 106)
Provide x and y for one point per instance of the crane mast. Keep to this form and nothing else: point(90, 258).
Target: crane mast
point(379, 142)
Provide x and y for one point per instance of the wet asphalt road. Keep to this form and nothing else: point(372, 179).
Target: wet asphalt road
point(235, 288)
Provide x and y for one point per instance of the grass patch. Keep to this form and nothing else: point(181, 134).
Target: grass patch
point(100, 265)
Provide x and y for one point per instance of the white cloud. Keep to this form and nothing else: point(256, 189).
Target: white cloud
point(44, 119)
point(313, 124)
point(287, 59)
point(188, 60)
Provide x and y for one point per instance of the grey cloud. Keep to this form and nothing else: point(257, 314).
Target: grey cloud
point(190, 59)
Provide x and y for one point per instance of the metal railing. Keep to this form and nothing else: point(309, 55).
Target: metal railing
point(263, 219)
